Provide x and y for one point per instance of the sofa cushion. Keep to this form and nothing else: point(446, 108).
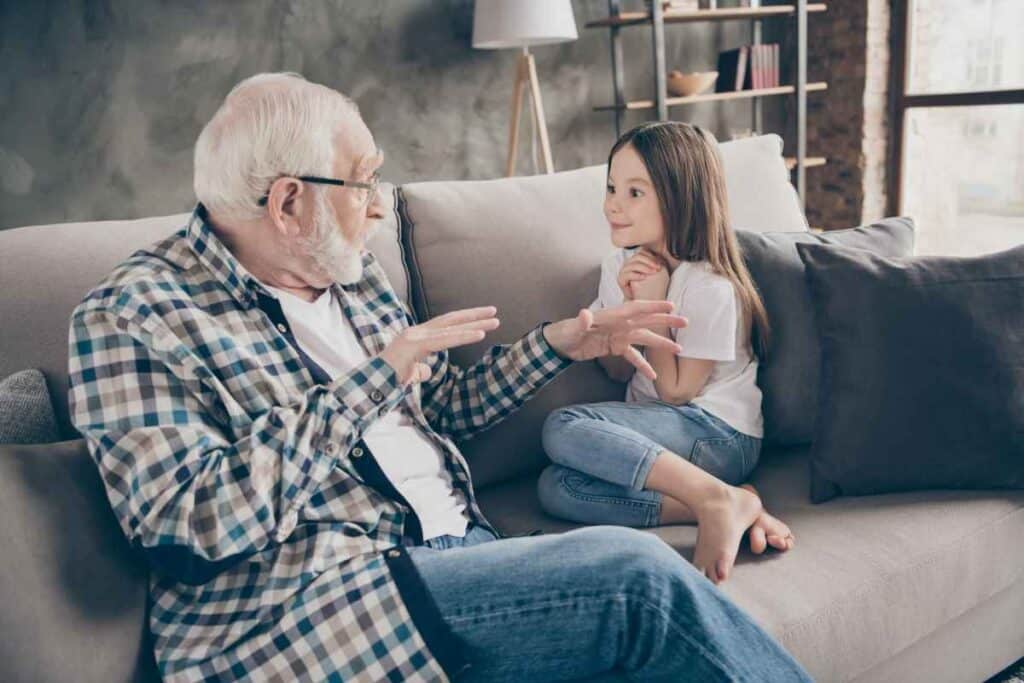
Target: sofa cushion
point(868, 577)
point(788, 376)
point(74, 593)
point(922, 375)
point(26, 414)
point(49, 268)
point(533, 246)
point(758, 184)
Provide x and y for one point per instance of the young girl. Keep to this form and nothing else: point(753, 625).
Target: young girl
point(678, 447)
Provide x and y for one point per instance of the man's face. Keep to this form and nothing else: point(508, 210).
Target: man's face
point(357, 159)
point(345, 216)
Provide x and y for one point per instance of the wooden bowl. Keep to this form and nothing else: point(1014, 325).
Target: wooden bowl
point(684, 85)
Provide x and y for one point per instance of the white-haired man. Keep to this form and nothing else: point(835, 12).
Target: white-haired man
point(274, 432)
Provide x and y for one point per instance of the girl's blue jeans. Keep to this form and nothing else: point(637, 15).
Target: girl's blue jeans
point(603, 452)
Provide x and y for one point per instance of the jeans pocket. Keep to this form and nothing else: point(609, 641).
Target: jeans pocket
point(721, 457)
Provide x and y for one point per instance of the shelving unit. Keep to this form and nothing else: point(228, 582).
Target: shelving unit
point(656, 17)
point(635, 105)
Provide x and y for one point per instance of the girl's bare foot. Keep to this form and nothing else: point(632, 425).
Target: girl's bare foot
point(768, 530)
point(722, 520)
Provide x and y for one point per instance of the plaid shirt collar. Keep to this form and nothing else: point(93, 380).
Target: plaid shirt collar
point(218, 260)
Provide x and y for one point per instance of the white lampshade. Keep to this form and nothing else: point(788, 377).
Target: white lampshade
point(519, 23)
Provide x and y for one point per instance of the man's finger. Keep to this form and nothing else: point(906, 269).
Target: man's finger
point(487, 324)
point(439, 341)
point(653, 340)
point(631, 309)
point(463, 315)
point(586, 318)
point(659, 320)
point(637, 359)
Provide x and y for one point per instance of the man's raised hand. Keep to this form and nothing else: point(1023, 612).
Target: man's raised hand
point(408, 350)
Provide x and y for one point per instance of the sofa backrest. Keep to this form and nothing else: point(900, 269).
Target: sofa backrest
point(532, 246)
point(45, 270)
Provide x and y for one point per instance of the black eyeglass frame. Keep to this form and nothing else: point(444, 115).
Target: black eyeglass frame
point(371, 186)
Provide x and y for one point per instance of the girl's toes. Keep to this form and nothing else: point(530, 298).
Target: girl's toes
point(778, 542)
point(758, 541)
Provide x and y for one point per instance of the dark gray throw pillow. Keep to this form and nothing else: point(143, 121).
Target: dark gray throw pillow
point(26, 414)
point(788, 376)
point(922, 377)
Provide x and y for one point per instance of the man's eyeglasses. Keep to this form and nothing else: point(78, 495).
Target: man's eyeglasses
point(370, 187)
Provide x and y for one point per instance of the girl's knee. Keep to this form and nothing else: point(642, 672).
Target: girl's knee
point(551, 492)
point(552, 434)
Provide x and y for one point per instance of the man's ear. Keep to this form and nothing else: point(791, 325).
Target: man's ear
point(286, 203)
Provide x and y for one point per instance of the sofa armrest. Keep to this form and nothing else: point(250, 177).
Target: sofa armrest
point(74, 591)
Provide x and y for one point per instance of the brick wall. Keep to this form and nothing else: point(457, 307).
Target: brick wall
point(848, 46)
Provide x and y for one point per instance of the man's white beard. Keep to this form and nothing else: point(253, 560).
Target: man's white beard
point(336, 257)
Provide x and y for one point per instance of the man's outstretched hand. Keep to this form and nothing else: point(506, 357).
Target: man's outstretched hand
point(407, 352)
point(616, 332)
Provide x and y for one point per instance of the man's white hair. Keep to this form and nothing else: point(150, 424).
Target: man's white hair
point(270, 125)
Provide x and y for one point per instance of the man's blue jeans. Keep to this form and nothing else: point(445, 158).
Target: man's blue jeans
point(599, 603)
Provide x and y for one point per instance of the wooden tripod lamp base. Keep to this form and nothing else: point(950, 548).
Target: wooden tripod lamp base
point(526, 75)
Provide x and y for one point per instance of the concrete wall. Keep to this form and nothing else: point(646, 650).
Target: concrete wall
point(103, 99)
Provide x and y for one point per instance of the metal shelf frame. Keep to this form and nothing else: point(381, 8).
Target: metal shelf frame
point(656, 19)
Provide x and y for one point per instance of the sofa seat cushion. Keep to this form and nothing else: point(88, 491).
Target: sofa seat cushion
point(869, 576)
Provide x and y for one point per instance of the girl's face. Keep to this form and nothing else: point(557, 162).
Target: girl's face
point(631, 205)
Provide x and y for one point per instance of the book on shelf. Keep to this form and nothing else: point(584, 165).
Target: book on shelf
point(748, 67)
point(732, 69)
point(776, 80)
point(757, 73)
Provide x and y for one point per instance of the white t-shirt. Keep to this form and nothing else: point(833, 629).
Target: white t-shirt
point(409, 459)
point(716, 331)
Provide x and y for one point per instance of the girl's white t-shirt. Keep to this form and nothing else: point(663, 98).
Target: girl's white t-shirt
point(408, 458)
point(716, 331)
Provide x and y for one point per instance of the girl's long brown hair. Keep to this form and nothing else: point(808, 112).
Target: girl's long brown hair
point(686, 171)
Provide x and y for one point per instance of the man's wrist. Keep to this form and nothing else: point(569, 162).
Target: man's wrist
point(549, 332)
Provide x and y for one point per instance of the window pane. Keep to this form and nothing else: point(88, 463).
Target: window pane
point(964, 178)
point(964, 45)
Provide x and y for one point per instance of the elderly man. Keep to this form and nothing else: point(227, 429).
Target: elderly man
point(275, 433)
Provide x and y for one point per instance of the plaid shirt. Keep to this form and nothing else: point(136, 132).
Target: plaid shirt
point(278, 545)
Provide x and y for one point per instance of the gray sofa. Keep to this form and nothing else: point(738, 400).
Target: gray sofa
point(911, 587)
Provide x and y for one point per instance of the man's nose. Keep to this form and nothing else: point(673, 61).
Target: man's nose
point(376, 207)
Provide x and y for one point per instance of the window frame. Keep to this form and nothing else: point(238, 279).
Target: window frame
point(900, 101)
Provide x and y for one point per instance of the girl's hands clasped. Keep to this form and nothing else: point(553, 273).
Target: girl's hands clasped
point(643, 276)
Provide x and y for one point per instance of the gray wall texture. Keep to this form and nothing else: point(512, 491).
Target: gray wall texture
point(103, 99)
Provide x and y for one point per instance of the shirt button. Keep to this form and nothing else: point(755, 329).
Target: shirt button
point(393, 553)
point(357, 452)
point(376, 396)
point(282, 328)
point(331, 448)
point(383, 411)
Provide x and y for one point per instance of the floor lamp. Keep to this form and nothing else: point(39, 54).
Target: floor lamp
point(499, 24)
